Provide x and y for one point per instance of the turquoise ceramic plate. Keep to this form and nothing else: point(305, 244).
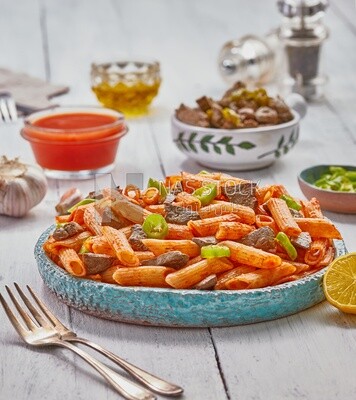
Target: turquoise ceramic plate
point(185, 308)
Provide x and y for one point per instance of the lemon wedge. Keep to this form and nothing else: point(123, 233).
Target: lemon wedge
point(340, 283)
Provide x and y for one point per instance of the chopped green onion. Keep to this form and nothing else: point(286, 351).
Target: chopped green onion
point(155, 226)
point(284, 241)
point(337, 179)
point(291, 203)
point(203, 172)
point(213, 251)
point(81, 203)
point(206, 193)
point(160, 186)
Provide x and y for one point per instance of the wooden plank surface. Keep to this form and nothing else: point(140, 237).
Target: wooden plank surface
point(309, 355)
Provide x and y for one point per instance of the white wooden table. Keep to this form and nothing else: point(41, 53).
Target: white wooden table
point(310, 355)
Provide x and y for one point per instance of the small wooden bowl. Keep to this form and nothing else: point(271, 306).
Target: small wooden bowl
point(340, 202)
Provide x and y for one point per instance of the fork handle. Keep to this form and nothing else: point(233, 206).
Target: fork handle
point(126, 388)
point(153, 382)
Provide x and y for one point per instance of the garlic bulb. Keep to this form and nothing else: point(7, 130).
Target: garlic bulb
point(22, 186)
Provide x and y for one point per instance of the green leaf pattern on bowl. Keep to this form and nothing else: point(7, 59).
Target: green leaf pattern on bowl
point(190, 142)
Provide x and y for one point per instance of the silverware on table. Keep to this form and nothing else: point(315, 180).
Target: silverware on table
point(8, 111)
point(153, 382)
point(39, 331)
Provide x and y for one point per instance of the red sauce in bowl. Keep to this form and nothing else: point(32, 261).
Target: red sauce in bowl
point(74, 121)
point(75, 139)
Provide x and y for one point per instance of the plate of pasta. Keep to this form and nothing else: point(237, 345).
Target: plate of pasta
point(194, 250)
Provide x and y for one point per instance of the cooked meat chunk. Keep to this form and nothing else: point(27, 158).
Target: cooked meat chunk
point(205, 241)
point(71, 197)
point(173, 259)
point(124, 207)
point(243, 193)
point(208, 283)
point(283, 111)
point(249, 113)
point(192, 116)
point(179, 215)
point(136, 237)
point(303, 240)
point(109, 218)
point(226, 99)
point(266, 115)
point(262, 238)
point(205, 103)
point(66, 231)
point(250, 123)
point(95, 263)
point(95, 195)
point(217, 118)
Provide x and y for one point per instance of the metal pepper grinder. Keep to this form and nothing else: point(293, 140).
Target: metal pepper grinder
point(302, 35)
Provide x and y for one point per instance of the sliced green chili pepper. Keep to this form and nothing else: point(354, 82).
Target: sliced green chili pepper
point(351, 175)
point(284, 241)
point(291, 203)
point(214, 251)
point(203, 172)
point(84, 248)
point(160, 186)
point(81, 203)
point(155, 226)
point(337, 179)
point(206, 193)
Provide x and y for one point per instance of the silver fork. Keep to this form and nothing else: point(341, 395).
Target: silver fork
point(153, 382)
point(38, 331)
point(8, 111)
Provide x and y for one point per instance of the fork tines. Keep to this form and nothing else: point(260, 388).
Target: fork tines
point(8, 111)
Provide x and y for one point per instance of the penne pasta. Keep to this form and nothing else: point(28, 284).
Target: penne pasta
point(119, 243)
point(144, 255)
point(71, 262)
point(156, 209)
point(260, 278)
point(283, 217)
point(191, 182)
point(209, 226)
point(189, 276)
point(318, 227)
point(100, 245)
point(158, 246)
point(233, 273)
point(179, 232)
point(246, 214)
point(316, 251)
point(187, 200)
point(107, 275)
point(248, 255)
point(265, 220)
point(311, 208)
point(232, 230)
point(75, 242)
point(255, 257)
point(92, 220)
point(194, 260)
point(150, 276)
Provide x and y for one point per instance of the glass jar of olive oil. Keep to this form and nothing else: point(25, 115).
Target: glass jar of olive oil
point(126, 86)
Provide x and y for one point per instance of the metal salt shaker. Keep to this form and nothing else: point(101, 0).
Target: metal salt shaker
point(250, 59)
point(302, 35)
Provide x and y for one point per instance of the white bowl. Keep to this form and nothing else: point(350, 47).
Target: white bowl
point(236, 149)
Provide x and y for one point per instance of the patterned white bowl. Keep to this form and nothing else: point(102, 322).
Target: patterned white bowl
point(236, 149)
